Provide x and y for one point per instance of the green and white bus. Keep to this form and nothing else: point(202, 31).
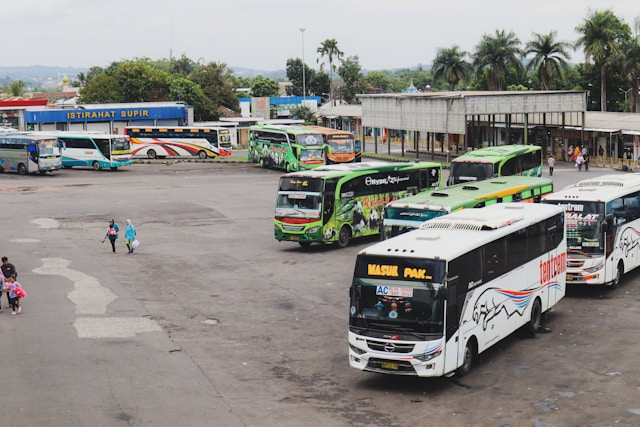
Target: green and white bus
point(410, 212)
point(29, 153)
point(291, 148)
point(491, 162)
point(337, 202)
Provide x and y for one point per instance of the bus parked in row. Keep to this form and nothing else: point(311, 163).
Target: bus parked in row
point(491, 162)
point(410, 212)
point(335, 203)
point(180, 141)
point(291, 148)
point(426, 303)
point(341, 145)
point(93, 149)
point(25, 154)
point(603, 228)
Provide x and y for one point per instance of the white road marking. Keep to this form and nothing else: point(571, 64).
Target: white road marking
point(25, 240)
point(90, 297)
point(114, 327)
point(46, 222)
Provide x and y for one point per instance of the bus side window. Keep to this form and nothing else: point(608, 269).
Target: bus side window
point(328, 200)
point(631, 207)
point(511, 167)
point(494, 255)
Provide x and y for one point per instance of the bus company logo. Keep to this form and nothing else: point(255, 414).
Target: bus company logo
point(571, 207)
point(303, 183)
point(551, 268)
point(385, 181)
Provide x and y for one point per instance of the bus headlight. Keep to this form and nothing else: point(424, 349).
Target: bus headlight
point(356, 350)
point(425, 357)
point(595, 268)
point(312, 230)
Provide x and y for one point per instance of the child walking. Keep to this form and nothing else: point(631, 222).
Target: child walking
point(15, 290)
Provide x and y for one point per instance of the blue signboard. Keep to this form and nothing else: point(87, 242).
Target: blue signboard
point(105, 114)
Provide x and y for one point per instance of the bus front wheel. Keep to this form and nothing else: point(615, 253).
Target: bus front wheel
point(96, 166)
point(202, 154)
point(344, 237)
point(468, 357)
point(22, 169)
point(152, 154)
point(619, 272)
point(536, 319)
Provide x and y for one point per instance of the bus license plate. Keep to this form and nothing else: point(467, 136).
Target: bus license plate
point(294, 238)
point(569, 277)
point(389, 365)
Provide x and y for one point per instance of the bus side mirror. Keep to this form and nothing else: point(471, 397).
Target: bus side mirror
point(358, 145)
point(607, 224)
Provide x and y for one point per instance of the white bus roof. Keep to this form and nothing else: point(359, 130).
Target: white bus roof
point(598, 189)
point(452, 235)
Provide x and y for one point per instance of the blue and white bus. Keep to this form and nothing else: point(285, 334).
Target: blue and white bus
point(29, 153)
point(94, 150)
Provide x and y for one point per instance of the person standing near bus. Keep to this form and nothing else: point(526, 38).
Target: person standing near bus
point(551, 161)
point(585, 159)
point(112, 234)
point(8, 270)
point(579, 161)
point(130, 236)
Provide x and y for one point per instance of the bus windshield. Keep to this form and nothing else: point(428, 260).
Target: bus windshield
point(48, 147)
point(298, 201)
point(341, 146)
point(310, 139)
point(395, 219)
point(470, 171)
point(118, 144)
point(584, 220)
point(413, 307)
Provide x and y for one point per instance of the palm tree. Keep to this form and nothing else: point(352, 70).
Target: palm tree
point(451, 66)
point(631, 68)
point(603, 35)
point(329, 49)
point(549, 57)
point(496, 54)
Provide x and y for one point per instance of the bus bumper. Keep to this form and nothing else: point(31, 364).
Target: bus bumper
point(310, 235)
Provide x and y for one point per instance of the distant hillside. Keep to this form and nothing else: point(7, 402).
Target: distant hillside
point(249, 72)
point(38, 74)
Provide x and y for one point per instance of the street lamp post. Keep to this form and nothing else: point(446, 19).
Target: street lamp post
point(304, 83)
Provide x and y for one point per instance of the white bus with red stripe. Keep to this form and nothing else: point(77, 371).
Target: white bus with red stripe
point(425, 303)
point(180, 141)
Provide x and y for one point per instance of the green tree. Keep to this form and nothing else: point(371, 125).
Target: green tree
point(549, 57)
point(184, 90)
point(262, 86)
point(216, 81)
point(377, 81)
point(101, 89)
point(294, 75)
point(631, 68)
point(450, 65)
point(602, 37)
point(329, 49)
point(303, 112)
point(183, 66)
point(319, 85)
point(496, 55)
point(17, 88)
point(140, 82)
point(351, 73)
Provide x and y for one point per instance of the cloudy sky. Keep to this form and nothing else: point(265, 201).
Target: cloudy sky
point(263, 34)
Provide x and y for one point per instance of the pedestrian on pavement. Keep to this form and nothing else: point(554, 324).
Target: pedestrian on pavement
point(112, 234)
point(585, 159)
point(601, 151)
point(3, 287)
point(13, 290)
point(576, 151)
point(579, 161)
point(130, 236)
point(552, 162)
point(8, 270)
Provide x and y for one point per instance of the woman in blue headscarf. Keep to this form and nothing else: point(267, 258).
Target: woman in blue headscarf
point(130, 235)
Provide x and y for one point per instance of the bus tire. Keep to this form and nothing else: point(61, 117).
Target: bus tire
point(619, 273)
point(22, 169)
point(66, 167)
point(152, 154)
point(468, 358)
point(536, 318)
point(343, 237)
point(114, 168)
point(261, 162)
point(202, 154)
point(96, 166)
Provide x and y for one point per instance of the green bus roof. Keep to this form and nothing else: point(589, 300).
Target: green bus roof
point(495, 154)
point(344, 169)
point(290, 129)
point(460, 195)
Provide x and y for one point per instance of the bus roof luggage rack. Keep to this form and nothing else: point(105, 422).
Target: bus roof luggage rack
point(631, 179)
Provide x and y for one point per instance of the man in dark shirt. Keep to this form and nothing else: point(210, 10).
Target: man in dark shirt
point(8, 270)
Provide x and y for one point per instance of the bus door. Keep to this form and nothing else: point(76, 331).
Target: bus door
point(453, 349)
point(104, 145)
